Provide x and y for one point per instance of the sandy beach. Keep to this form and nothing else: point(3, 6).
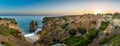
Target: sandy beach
point(32, 38)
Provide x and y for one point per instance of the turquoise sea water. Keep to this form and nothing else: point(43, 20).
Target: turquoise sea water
point(23, 21)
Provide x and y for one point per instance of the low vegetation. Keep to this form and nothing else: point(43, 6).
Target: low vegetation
point(72, 32)
point(83, 40)
point(82, 30)
point(115, 41)
point(6, 43)
point(93, 22)
point(112, 40)
point(104, 41)
point(4, 30)
point(116, 15)
point(104, 25)
point(63, 26)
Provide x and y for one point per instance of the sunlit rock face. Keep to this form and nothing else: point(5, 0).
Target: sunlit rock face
point(10, 22)
point(13, 25)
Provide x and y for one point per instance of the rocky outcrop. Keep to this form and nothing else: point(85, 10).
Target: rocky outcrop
point(11, 34)
point(57, 28)
point(33, 26)
point(10, 22)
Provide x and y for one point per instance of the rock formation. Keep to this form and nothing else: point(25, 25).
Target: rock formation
point(10, 34)
point(101, 29)
point(57, 28)
point(33, 26)
point(81, 30)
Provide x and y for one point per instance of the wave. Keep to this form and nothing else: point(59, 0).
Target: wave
point(33, 33)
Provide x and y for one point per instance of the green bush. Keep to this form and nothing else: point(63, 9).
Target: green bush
point(115, 40)
point(104, 25)
point(63, 26)
point(92, 33)
point(93, 22)
point(116, 15)
point(6, 43)
point(75, 41)
point(81, 41)
point(82, 30)
point(106, 40)
point(72, 32)
point(55, 41)
point(103, 41)
point(4, 30)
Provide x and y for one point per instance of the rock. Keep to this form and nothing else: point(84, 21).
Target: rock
point(57, 28)
point(11, 25)
point(10, 32)
point(33, 25)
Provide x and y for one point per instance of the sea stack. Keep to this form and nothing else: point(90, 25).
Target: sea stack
point(33, 25)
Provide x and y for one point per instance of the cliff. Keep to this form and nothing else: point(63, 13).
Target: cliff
point(90, 30)
point(57, 28)
point(10, 34)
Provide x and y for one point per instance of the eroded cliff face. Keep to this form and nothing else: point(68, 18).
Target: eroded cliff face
point(10, 34)
point(57, 28)
point(11, 24)
point(105, 30)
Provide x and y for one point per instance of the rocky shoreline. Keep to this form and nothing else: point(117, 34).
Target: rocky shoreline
point(94, 30)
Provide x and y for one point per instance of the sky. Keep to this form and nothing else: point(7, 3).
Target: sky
point(63, 7)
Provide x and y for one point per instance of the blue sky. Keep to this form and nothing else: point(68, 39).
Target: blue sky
point(58, 6)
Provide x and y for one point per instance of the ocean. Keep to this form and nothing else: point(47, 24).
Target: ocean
point(24, 21)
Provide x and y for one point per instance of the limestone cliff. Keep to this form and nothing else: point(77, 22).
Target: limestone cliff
point(10, 34)
point(57, 28)
point(10, 22)
point(86, 30)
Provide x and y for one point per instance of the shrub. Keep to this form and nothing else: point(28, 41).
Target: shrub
point(92, 33)
point(64, 26)
point(55, 41)
point(103, 41)
point(64, 17)
point(75, 41)
point(82, 30)
point(93, 22)
point(5, 30)
point(6, 43)
point(81, 41)
point(72, 32)
point(104, 25)
point(116, 15)
point(109, 39)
